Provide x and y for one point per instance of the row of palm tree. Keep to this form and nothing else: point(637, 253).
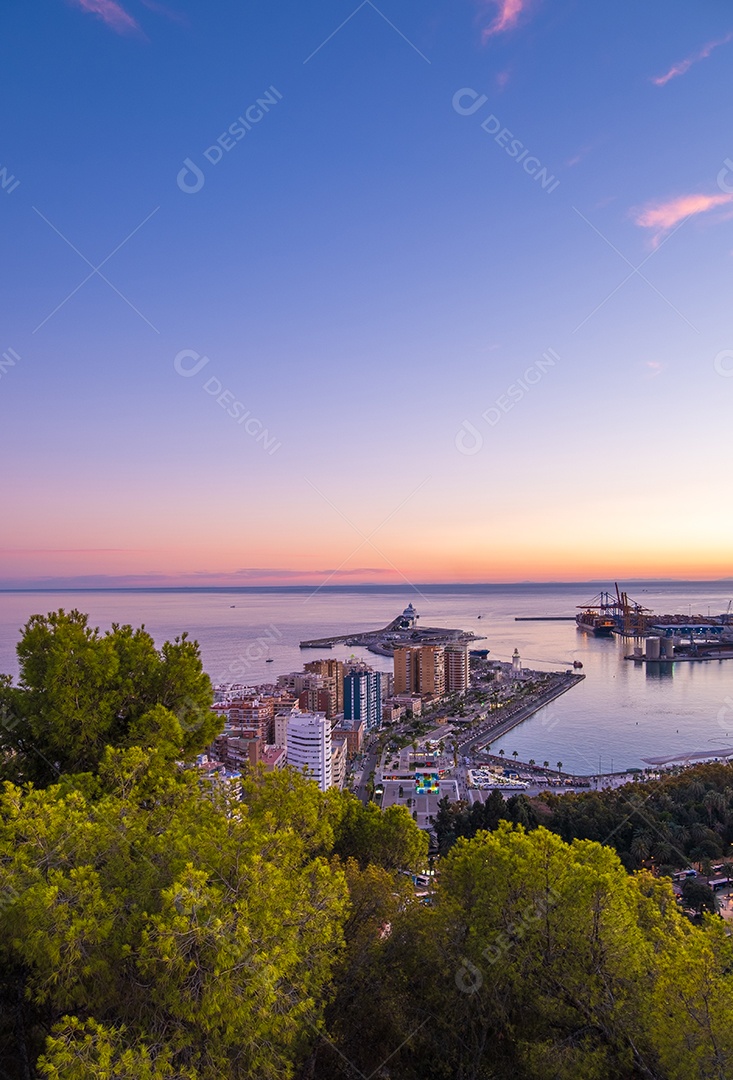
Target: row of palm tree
point(515, 755)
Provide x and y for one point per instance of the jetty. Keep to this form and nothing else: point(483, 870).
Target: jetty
point(400, 632)
point(544, 618)
point(513, 716)
point(695, 755)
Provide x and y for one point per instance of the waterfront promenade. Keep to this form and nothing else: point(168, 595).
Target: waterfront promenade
point(500, 722)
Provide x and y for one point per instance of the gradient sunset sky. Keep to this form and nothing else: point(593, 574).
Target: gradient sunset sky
point(347, 292)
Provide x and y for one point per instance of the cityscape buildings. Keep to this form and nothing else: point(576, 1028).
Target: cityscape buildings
point(332, 670)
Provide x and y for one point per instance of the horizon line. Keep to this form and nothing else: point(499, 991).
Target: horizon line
point(391, 586)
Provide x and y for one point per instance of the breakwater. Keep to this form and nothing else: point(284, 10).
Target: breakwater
point(512, 716)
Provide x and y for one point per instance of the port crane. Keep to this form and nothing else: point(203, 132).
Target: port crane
point(632, 619)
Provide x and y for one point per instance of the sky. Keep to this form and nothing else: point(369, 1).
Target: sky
point(346, 293)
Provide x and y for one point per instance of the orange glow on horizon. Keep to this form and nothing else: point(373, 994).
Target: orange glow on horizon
point(500, 565)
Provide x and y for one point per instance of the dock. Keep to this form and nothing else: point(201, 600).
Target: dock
point(518, 716)
point(400, 632)
point(544, 618)
point(682, 658)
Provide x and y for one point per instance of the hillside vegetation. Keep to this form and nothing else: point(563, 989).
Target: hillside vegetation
point(153, 927)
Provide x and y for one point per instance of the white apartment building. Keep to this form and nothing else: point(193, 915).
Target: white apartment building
point(309, 746)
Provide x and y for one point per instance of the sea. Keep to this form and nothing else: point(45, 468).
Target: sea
point(622, 713)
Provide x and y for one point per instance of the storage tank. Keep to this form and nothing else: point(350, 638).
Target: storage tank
point(638, 652)
point(652, 648)
point(668, 647)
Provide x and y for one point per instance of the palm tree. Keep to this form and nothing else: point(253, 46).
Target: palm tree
point(501, 753)
point(641, 845)
point(714, 801)
point(515, 755)
point(559, 767)
point(532, 761)
point(546, 764)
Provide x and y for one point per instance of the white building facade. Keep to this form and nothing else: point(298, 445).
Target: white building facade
point(309, 746)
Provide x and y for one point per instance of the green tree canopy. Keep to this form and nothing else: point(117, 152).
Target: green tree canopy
point(542, 959)
point(157, 906)
point(80, 691)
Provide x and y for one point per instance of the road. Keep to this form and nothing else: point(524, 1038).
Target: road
point(370, 765)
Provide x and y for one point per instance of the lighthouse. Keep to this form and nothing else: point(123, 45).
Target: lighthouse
point(516, 663)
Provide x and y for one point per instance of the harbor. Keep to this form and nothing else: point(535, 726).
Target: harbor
point(402, 631)
point(501, 722)
point(666, 638)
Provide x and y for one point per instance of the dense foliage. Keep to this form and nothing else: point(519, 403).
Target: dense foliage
point(541, 959)
point(81, 691)
point(155, 927)
point(682, 818)
point(459, 820)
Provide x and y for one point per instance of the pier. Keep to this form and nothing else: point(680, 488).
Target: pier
point(513, 717)
point(400, 632)
point(544, 618)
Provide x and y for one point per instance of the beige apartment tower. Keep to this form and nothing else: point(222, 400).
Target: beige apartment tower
point(332, 670)
point(420, 670)
point(456, 669)
point(405, 670)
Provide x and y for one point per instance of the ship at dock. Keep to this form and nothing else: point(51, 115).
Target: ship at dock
point(594, 621)
point(597, 617)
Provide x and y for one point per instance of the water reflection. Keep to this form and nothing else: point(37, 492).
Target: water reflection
point(662, 670)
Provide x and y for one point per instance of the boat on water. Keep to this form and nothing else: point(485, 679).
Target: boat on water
point(595, 621)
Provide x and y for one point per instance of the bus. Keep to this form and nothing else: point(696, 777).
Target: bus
point(719, 883)
point(682, 874)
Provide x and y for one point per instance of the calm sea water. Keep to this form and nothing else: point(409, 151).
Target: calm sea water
point(621, 713)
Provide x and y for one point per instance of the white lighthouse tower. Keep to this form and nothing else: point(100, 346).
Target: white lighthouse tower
point(516, 663)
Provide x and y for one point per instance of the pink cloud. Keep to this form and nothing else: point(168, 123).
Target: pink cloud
point(663, 216)
point(110, 13)
point(684, 65)
point(506, 18)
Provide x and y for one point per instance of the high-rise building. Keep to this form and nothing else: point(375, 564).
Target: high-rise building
point(310, 683)
point(330, 669)
point(363, 695)
point(405, 670)
point(431, 670)
point(456, 669)
point(419, 669)
point(309, 746)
